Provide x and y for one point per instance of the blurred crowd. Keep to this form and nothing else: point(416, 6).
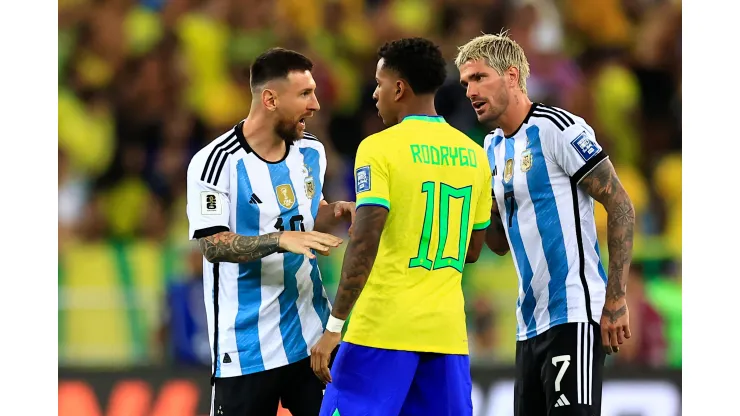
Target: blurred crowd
point(143, 84)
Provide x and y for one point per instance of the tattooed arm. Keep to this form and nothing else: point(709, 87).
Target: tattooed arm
point(358, 261)
point(229, 247)
point(495, 233)
point(359, 258)
point(603, 185)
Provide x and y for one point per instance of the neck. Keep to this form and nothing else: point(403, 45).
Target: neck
point(420, 106)
point(514, 116)
point(259, 133)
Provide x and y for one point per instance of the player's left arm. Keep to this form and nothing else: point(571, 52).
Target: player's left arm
point(579, 154)
point(330, 215)
point(604, 186)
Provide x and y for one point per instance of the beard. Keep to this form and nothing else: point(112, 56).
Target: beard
point(496, 108)
point(288, 131)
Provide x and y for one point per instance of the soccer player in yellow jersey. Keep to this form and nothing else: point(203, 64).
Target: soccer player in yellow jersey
point(423, 205)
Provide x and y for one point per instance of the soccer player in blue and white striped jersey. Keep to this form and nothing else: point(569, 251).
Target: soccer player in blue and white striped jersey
point(547, 171)
point(255, 203)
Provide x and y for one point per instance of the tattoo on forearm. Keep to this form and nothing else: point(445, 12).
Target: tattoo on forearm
point(359, 258)
point(234, 248)
point(604, 186)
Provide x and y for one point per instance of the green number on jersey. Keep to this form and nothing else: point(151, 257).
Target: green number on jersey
point(446, 192)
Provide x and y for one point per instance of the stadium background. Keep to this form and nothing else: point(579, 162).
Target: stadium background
point(144, 84)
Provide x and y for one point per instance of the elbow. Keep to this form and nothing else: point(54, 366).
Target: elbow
point(498, 247)
point(472, 257)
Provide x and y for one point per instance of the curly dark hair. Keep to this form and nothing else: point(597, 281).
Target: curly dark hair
point(277, 63)
point(418, 61)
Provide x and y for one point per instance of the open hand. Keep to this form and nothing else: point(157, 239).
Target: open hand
point(321, 354)
point(301, 242)
point(615, 325)
point(346, 210)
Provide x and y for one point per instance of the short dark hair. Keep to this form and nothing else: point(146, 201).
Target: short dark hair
point(277, 63)
point(418, 61)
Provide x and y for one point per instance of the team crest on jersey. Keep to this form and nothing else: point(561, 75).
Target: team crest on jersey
point(509, 170)
point(310, 187)
point(285, 195)
point(309, 183)
point(526, 160)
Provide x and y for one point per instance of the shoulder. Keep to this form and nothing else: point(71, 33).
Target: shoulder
point(493, 139)
point(378, 140)
point(558, 124)
point(310, 141)
point(212, 154)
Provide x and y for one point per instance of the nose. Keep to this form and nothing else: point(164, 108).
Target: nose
point(471, 91)
point(375, 94)
point(313, 105)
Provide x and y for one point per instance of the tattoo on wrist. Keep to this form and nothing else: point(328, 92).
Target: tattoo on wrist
point(613, 316)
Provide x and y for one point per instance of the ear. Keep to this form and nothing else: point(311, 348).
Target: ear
point(401, 88)
point(512, 77)
point(269, 99)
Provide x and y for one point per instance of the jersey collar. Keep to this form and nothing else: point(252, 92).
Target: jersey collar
point(422, 117)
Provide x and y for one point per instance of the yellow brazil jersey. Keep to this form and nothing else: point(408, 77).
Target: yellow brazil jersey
point(436, 184)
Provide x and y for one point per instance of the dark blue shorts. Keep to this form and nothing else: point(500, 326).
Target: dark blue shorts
point(373, 381)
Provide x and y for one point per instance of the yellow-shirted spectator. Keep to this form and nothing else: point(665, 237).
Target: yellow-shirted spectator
point(668, 184)
point(617, 98)
point(86, 133)
point(603, 23)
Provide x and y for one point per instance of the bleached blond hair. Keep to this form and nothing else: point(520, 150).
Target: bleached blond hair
point(500, 52)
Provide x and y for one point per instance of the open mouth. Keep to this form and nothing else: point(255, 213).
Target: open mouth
point(479, 106)
point(302, 122)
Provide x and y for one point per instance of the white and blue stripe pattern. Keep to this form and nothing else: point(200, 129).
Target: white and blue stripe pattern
point(271, 311)
point(546, 227)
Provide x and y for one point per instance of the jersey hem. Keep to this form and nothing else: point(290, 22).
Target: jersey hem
point(541, 330)
point(257, 368)
point(407, 347)
point(207, 232)
point(589, 166)
point(481, 226)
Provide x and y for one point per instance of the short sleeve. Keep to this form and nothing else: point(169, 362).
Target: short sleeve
point(485, 199)
point(489, 146)
point(371, 176)
point(575, 150)
point(207, 202)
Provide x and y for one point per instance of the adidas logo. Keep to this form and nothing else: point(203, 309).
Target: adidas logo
point(255, 199)
point(227, 359)
point(562, 401)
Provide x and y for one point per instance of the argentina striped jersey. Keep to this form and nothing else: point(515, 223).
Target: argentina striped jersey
point(549, 220)
point(267, 313)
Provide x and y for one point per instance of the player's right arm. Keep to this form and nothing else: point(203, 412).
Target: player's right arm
point(208, 211)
